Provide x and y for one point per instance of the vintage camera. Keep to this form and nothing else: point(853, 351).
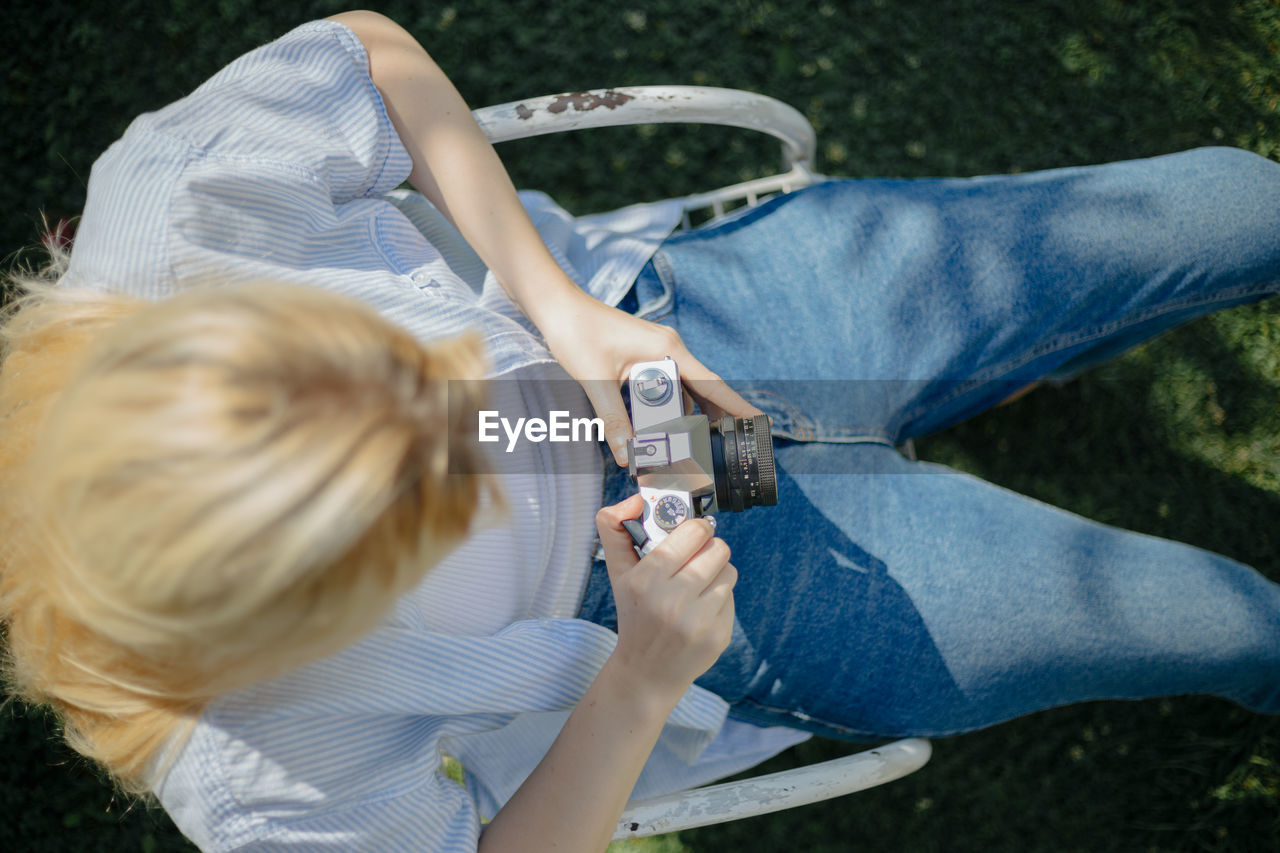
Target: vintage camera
point(686, 466)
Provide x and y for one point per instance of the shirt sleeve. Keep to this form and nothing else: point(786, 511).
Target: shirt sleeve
point(304, 101)
point(283, 150)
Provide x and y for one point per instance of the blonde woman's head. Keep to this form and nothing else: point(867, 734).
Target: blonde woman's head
point(203, 492)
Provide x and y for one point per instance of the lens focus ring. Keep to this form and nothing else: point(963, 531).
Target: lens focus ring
point(742, 456)
point(766, 475)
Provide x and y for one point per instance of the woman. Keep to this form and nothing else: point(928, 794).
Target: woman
point(262, 571)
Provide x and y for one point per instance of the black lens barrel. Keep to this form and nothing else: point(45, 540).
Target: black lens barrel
point(742, 461)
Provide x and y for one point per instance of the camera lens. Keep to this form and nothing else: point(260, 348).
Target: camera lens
point(742, 460)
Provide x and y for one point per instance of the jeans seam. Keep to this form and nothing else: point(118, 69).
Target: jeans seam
point(665, 307)
point(840, 435)
point(853, 734)
point(795, 421)
point(794, 425)
point(801, 718)
point(1093, 334)
point(717, 230)
point(798, 426)
point(752, 704)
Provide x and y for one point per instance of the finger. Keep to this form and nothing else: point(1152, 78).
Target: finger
point(702, 571)
point(725, 616)
point(680, 547)
point(619, 554)
point(719, 595)
point(715, 608)
point(724, 581)
point(727, 605)
point(688, 400)
point(612, 516)
point(713, 393)
point(606, 398)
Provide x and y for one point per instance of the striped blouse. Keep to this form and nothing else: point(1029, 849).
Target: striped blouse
point(285, 166)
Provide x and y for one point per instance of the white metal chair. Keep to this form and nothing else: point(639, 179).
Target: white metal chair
point(667, 104)
point(734, 108)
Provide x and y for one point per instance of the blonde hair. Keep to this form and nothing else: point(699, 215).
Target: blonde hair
point(203, 492)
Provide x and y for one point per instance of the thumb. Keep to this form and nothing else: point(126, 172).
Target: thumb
point(619, 555)
point(606, 398)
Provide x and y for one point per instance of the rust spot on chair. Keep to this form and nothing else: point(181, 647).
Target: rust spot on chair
point(523, 112)
point(586, 101)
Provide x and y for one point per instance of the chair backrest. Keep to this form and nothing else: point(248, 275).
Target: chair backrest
point(633, 105)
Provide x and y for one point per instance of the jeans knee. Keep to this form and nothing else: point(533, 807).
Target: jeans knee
point(1234, 167)
point(1226, 208)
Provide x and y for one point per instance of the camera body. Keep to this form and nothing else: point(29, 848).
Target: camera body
point(686, 466)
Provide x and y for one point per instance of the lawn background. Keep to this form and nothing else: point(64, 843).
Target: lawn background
point(1177, 439)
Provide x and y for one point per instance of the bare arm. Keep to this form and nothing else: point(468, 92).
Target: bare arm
point(457, 169)
point(574, 797)
point(675, 617)
point(455, 166)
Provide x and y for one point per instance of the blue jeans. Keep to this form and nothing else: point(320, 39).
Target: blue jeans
point(884, 597)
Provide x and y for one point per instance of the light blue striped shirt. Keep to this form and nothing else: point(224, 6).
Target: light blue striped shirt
point(285, 166)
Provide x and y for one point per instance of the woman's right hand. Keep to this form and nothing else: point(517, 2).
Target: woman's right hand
point(675, 605)
point(675, 617)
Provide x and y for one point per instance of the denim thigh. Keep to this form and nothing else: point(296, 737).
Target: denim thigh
point(900, 598)
point(884, 597)
point(879, 310)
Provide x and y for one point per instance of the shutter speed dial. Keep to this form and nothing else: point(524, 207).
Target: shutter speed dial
point(669, 511)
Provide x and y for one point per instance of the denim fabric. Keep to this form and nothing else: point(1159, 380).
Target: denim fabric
point(886, 597)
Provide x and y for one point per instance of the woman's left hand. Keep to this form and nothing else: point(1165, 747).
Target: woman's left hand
point(597, 345)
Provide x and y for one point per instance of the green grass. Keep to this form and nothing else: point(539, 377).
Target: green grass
point(1178, 439)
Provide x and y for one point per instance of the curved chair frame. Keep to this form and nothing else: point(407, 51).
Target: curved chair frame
point(773, 792)
point(662, 104)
